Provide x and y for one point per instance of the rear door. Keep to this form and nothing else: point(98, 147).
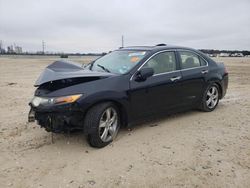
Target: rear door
point(194, 70)
point(159, 92)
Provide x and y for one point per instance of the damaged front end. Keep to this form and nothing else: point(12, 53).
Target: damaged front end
point(59, 122)
point(56, 114)
point(55, 105)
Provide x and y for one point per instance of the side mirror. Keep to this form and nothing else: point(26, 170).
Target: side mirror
point(144, 73)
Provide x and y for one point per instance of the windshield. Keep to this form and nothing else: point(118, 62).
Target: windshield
point(119, 62)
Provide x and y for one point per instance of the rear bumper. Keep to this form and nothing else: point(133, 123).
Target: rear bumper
point(224, 85)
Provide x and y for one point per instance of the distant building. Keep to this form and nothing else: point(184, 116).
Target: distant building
point(224, 54)
point(10, 49)
point(1, 44)
point(212, 55)
point(237, 55)
point(18, 50)
point(2, 50)
point(14, 49)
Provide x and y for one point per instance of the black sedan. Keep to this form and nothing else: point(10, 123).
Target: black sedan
point(123, 87)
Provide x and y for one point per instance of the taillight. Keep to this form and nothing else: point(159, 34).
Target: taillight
point(225, 69)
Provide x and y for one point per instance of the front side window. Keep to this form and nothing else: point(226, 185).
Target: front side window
point(190, 60)
point(162, 62)
point(119, 62)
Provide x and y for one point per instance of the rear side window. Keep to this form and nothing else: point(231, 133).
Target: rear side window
point(190, 60)
point(203, 62)
point(162, 62)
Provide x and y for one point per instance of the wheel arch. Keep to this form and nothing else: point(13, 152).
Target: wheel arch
point(219, 87)
point(123, 113)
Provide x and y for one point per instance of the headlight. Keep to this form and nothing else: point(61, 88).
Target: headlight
point(66, 99)
point(36, 101)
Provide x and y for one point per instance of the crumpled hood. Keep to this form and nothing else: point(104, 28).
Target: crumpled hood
point(62, 70)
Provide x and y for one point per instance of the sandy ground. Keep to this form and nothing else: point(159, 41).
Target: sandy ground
point(192, 149)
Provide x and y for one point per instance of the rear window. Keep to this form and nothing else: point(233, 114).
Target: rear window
point(191, 60)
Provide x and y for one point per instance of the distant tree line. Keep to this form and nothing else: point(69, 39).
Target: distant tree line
point(54, 54)
point(206, 51)
point(210, 51)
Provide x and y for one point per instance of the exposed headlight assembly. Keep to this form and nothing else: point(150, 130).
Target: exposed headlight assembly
point(36, 101)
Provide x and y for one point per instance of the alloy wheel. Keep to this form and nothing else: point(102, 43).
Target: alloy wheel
point(108, 124)
point(212, 97)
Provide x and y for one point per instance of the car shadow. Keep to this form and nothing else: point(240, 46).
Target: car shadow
point(78, 139)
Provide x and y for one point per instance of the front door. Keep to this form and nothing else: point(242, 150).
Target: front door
point(160, 92)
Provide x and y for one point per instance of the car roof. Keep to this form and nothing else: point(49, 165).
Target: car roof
point(158, 47)
point(161, 47)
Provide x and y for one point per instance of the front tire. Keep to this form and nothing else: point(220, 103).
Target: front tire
point(210, 98)
point(104, 121)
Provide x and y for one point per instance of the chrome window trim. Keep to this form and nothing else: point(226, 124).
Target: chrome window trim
point(193, 68)
point(171, 50)
point(166, 73)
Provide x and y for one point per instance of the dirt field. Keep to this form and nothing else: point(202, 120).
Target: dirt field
point(192, 149)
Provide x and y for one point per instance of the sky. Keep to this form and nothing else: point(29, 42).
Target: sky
point(85, 26)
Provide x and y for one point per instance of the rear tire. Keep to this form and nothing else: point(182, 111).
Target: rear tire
point(104, 121)
point(210, 98)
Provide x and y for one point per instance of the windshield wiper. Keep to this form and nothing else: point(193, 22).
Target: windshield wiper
point(105, 69)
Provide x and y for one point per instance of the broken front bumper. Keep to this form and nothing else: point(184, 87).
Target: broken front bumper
point(31, 116)
point(58, 118)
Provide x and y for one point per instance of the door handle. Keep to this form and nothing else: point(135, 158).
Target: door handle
point(175, 78)
point(204, 71)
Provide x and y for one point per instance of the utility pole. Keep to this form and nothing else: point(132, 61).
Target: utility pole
point(122, 41)
point(43, 46)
